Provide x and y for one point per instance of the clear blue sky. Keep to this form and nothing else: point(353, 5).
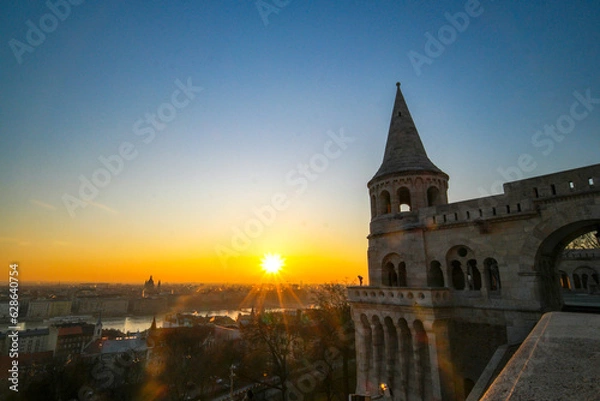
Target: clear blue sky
point(273, 86)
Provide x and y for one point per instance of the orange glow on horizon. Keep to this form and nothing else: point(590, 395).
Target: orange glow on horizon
point(244, 269)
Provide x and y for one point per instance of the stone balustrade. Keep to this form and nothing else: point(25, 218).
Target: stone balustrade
point(403, 296)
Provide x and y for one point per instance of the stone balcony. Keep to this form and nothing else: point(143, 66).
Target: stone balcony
point(403, 296)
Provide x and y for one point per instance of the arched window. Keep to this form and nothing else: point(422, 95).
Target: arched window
point(373, 206)
point(390, 278)
point(386, 205)
point(402, 275)
point(493, 274)
point(435, 277)
point(564, 280)
point(584, 281)
point(404, 200)
point(584, 277)
point(473, 275)
point(458, 278)
point(433, 196)
point(576, 281)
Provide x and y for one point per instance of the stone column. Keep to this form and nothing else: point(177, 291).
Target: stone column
point(362, 357)
point(395, 202)
point(436, 389)
point(418, 368)
point(388, 355)
point(444, 371)
point(374, 382)
point(403, 375)
point(485, 281)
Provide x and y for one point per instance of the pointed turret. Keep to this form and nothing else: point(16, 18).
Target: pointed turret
point(404, 151)
point(407, 180)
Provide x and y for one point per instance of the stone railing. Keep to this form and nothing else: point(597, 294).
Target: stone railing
point(403, 296)
point(586, 254)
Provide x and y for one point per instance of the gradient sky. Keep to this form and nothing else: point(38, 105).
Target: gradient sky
point(275, 88)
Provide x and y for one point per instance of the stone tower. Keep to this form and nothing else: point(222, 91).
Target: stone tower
point(406, 181)
point(451, 284)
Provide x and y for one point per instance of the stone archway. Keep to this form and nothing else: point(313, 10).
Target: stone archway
point(552, 236)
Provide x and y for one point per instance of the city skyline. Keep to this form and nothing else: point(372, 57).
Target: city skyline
point(187, 141)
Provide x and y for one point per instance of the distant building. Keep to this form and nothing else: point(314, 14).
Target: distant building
point(148, 306)
point(67, 339)
point(33, 341)
point(226, 333)
point(107, 305)
point(150, 288)
point(46, 308)
point(134, 345)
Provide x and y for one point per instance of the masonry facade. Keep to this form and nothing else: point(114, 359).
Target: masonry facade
point(451, 282)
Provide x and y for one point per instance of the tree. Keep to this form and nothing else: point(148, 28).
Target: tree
point(334, 337)
point(272, 339)
point(181, 361)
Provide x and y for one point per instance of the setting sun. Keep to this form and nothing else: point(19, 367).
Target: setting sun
point(272, 263)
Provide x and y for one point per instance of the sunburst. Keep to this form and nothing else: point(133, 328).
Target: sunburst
point(272, 263)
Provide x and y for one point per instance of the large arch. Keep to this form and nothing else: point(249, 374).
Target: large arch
point(548, 240)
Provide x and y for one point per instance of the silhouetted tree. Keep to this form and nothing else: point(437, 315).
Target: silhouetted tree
point(272, 341)
point(181, 361)
point(334, 339)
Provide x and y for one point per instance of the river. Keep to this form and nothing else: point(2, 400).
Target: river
point(126, 324)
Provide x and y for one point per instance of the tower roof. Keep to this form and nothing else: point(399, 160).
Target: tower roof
point(404, 151)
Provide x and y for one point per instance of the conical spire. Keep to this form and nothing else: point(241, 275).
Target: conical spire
point(404, 151)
